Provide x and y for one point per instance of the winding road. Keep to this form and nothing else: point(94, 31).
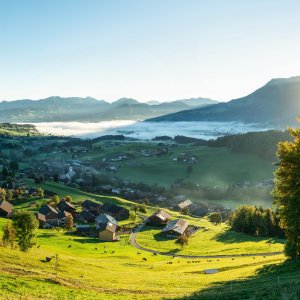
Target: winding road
point(136, 245)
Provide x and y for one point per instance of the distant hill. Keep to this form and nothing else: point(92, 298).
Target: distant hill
point(89, 109)
point(276, 103)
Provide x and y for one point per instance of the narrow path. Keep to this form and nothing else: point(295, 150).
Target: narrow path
point(136, 245)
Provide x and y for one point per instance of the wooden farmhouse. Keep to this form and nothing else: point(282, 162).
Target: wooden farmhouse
point(161, 217)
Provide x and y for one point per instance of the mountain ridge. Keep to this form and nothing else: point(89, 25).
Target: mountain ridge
point(276, 103)
point(56, 108)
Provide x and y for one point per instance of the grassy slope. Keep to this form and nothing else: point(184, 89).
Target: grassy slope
point(217, 240)
point(217, 167)
point(90, 269)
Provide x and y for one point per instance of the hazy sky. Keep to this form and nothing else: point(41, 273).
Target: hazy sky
point(145, 49)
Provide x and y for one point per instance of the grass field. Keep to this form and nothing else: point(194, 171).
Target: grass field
point(214, 240)
point(217, 167)
point(90, 269)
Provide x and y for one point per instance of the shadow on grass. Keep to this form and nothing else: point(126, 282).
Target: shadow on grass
point(88, 241)
point(46, 235)
point(230, 236)
point(160, 238)
point(272, 282)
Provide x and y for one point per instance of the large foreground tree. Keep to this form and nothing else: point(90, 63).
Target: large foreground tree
point(287, 192)
point(25, 225)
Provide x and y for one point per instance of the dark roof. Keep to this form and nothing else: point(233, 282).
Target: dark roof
point(112, 208)
point(47, 209)
point(88, 216)
point(88, 203)
point(162, 215)
point(63, 205)
point(6, 206)
point(63, 214)
point(178, 226)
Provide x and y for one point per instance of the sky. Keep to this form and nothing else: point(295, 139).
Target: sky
point(145, 49)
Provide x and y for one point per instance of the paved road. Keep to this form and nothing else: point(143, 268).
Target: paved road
point(136, 245)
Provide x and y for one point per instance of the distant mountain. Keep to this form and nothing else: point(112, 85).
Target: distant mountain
point(84, 109)
point(276, 103)
point(192, 102)
point(197, 102)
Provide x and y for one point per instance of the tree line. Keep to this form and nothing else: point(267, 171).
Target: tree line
point(256, 221)
point(263, 144)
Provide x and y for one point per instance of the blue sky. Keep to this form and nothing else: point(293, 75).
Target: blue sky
point(145, 49)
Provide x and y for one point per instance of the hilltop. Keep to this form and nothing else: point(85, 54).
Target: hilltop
point(276, 103)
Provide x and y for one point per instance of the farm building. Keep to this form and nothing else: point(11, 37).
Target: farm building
point(6, 208)
point(42, 220)
point(91, 206)
point(62, 217)
point(107, 227)
point(87, 216)
point(175, 228)
point(116, 211)
point(184, 204)
point(66, 206)
point(160, 217)
point(50, 213)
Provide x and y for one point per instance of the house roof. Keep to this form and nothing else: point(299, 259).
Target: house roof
point(112, 208)
point(47, 209)
point(41, 217)
point(178, 226)
point(63, 214)
point(88, 216)
point(104, 219)
point(88, 203)
point(63, 204)
point(184, 204)
point(162, 215)
point(6, 206)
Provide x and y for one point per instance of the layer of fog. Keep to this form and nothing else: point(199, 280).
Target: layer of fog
point(147, 130)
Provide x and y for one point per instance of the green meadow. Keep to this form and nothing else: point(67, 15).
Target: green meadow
point(89, 269)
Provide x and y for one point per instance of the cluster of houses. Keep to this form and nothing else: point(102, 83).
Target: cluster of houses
point(173, 229)
point(94, 217)
point(187, 157)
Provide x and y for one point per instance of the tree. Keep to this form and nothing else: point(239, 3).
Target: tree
point(40, 193)
point(215, 218)
point(69, 199)
point(2, 194)
point(9, 195)
point(132, 216)
point(9, 235)
point(25, 225)
point(55, 199)
point(287, 193)
point(69, 223)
